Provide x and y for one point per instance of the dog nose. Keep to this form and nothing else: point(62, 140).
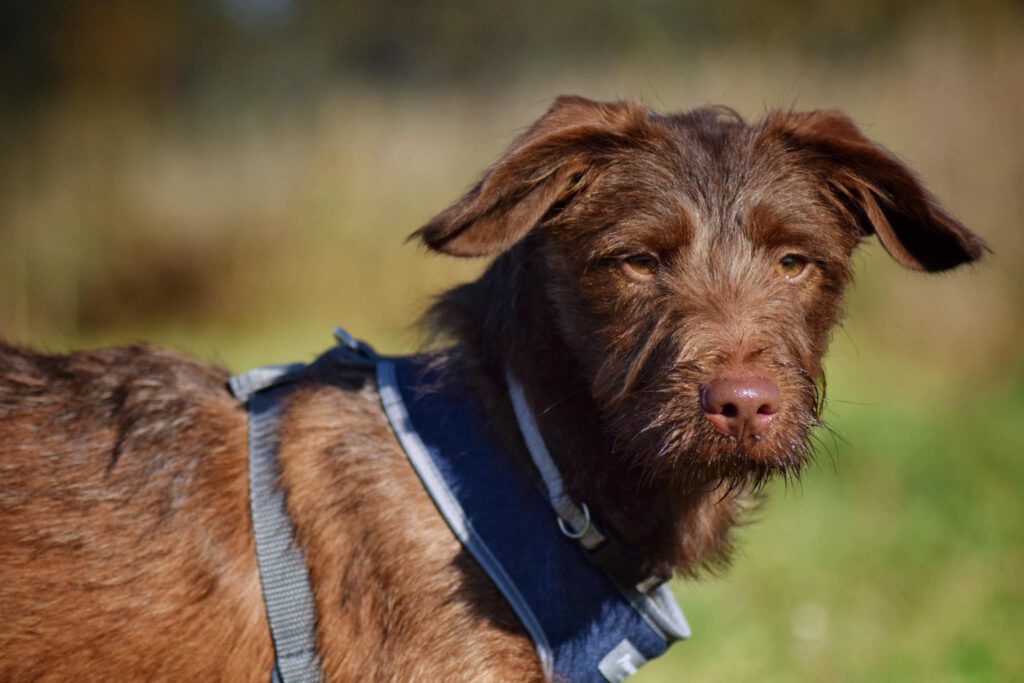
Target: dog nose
point(741, 406)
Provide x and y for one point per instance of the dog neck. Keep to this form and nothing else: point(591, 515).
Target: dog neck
point(503, 321)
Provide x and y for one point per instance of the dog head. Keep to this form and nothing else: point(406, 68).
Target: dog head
point(692, 266)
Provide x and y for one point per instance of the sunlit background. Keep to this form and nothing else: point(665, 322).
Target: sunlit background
point(235, 178)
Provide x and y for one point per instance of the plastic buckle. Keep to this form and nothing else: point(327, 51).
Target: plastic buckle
point(360, 348)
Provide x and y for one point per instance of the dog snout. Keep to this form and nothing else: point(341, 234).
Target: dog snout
point(741, 406)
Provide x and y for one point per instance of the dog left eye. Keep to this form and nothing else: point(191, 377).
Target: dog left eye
point(642, 265)
point(791, 266)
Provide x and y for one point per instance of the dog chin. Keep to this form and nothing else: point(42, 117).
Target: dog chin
point(767, 457)
point(774, 461)
point(723, 459)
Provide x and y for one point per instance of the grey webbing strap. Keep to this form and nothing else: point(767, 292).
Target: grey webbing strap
point(623, 566)
point(245, 385)
point(578, 517)
point(287, 593)
point(284, 576)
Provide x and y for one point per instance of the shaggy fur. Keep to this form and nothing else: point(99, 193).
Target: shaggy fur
point(639, 259)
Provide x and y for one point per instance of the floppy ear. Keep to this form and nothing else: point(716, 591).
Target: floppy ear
point(539, 175)
point(879, 193)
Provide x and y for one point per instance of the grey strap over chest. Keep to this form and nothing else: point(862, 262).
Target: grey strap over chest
point(282, 565)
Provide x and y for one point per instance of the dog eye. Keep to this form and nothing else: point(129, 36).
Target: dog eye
point(642, 265)
point(791, 266)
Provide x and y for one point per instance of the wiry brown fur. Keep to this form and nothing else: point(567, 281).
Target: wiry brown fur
point(124, 525)
point(125, 538)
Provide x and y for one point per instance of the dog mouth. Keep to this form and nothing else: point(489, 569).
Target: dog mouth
point(746, 440)
point(748, 459)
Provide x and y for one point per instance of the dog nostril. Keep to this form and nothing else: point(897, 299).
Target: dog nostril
point(767, 409)
point(730, 410)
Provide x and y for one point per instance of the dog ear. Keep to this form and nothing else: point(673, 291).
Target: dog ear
point(878, 193)
point(537, 177)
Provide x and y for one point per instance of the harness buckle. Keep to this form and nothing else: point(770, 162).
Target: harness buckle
point(576, 535)
point(355, 350)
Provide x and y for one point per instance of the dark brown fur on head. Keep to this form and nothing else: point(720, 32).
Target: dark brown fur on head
point(638, 258)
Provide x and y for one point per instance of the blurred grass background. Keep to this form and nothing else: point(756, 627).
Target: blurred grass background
point(234, 178)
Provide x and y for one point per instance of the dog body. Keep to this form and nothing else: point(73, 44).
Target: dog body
point(664, 287)
point(145, 568)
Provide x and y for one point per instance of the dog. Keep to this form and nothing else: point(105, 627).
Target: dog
point(663, 287)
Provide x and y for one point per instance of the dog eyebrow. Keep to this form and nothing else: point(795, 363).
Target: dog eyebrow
point(624, 240)
point(768, 227)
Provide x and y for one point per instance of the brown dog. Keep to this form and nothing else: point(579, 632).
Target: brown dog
point(664, 287)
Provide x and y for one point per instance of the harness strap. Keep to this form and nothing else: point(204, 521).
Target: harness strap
point(622, 564)
point(284, 577)
point(576, 516)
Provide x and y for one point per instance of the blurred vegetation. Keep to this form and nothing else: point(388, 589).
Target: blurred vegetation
point(234, 178)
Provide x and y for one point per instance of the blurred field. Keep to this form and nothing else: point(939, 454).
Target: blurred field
point(242, 232)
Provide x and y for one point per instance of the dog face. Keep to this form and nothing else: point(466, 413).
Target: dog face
point(695, 265)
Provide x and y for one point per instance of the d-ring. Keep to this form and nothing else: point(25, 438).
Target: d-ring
point(576, 535)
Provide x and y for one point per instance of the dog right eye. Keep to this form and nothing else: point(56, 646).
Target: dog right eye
point(640, 265)
point(791, 266)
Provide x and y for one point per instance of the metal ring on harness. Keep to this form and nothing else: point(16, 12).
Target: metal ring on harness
point(576, 535)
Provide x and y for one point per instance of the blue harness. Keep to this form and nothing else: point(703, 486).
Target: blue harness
point(591, 617)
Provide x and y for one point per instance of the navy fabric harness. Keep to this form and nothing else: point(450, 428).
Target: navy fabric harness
point(589, 621)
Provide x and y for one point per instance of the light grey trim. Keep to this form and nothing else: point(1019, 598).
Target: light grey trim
point(451, 510)
point(287, 593)
point(621, 662)
point(248, 383)
point(668, 612)
point(565, 507)
point(660, 610)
